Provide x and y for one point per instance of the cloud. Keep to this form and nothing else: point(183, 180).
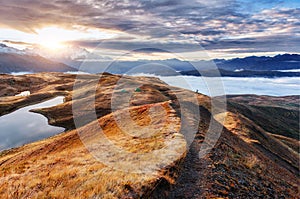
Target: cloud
point(140, 46)
point(216, 24)
point(259, 44)
point(205, 32)
point(17, 42)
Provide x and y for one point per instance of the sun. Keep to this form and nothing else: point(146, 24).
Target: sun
point(55, 37)
point(51, 44)
point(51, 38)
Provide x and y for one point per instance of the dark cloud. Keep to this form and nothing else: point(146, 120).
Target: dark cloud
point(17, 42)
point(139, 46)
point(151, 50)
point(204, 32)
point(258, 44)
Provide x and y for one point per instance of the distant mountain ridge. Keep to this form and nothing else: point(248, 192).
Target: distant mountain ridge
point(241, 73)
point(278, 62)
point(253, 63)
point(14, 60)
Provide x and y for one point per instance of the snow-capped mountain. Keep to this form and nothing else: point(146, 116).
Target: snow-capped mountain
point(67, 53)
point(14, 60)
point(6, 49)
point(71, 55)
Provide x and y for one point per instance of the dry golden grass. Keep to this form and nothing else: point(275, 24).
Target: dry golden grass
point(61, 166)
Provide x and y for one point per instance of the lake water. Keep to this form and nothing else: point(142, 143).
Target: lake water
point(291, 70)
point(214, 86)
point(21, 73)
point(21, 126)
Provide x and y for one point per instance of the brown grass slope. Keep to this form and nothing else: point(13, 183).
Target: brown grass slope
point(43, 86)
point(62, 167)
point(277, 115)
point(246, 162)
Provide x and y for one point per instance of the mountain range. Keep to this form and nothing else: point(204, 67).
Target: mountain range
point(264, 63)
point(253, 63)
point(14, 60)
point(253, 66)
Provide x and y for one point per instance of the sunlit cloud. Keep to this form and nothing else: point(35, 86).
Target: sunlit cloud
point(224, 28)
point(53, 37)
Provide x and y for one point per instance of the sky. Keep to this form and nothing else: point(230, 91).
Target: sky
point(152, 29)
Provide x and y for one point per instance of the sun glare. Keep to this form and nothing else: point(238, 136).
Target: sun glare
point(51, 38)
point(54, 38)
point(51, 44)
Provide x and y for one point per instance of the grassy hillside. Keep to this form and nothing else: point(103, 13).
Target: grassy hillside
point(246, 162)
point(277, 115)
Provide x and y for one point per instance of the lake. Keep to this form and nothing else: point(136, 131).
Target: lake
point(21, 126)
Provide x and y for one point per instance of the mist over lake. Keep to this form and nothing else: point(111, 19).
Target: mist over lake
point(235, 85)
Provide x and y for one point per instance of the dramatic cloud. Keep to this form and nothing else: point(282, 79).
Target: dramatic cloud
point(216, 24)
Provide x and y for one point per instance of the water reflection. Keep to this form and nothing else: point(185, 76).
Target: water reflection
point(21, 126)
